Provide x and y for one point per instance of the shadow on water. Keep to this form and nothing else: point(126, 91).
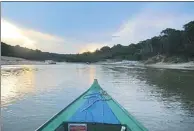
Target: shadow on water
point(172, 86)
point(169, 85)
point(167, 93)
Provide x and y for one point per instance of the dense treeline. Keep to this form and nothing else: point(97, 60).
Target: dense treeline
point(170, 42)
point(21, 52)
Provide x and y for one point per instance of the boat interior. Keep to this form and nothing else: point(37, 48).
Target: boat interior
point(88, 126)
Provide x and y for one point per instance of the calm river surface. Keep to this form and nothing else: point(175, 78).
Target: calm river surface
point(161, 99)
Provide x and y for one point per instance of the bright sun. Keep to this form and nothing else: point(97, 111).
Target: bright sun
point(14, 35)
point(90, 48)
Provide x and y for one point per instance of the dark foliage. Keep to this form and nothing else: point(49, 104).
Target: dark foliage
point(170, 42)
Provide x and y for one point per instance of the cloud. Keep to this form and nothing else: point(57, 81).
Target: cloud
point(149, 22)
point(15, 35)
point(47, 42)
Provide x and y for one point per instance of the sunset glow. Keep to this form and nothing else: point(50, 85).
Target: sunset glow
point(14, 35)
point(90, 48)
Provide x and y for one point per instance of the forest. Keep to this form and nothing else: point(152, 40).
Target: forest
point(170, 42)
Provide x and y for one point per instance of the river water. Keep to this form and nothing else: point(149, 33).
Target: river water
point(161, 99)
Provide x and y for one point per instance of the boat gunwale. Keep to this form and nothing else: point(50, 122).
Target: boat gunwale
point(140, 125)
point(57, 114)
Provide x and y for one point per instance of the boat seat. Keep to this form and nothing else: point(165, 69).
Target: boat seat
point(88, 126)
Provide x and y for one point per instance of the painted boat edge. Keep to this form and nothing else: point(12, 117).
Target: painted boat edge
point(95, 84)
point(140, 125)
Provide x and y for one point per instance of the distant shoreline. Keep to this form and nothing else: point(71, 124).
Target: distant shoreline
point(6, 60)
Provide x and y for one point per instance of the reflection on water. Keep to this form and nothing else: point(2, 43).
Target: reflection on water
point(173, 86)
point(161, 99)
point(15, 83)
point(167, 95)
point(92, 73)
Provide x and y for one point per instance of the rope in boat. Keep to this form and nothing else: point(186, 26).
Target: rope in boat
point(101, 96)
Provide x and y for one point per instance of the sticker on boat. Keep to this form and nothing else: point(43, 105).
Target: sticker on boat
point(77, 127)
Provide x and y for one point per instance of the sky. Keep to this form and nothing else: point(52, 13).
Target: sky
point(75, 27)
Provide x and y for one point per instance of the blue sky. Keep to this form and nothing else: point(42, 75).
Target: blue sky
point(71, 27)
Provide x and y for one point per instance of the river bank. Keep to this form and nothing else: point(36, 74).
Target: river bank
point(187, 65)
point(174, 62)
point(155, 62)
point(182, 66)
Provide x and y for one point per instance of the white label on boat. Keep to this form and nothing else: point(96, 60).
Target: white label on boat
point(77, 127)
